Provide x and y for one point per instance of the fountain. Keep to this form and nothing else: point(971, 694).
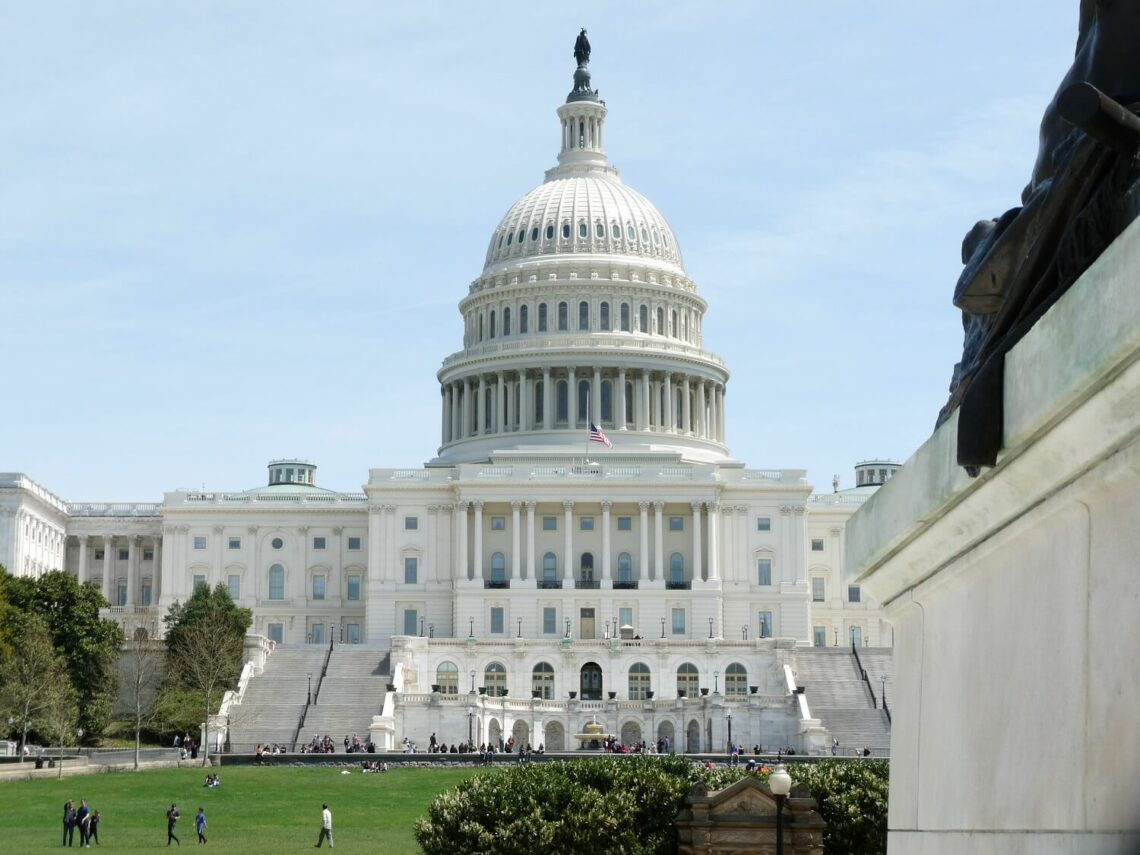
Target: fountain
point(593, 737)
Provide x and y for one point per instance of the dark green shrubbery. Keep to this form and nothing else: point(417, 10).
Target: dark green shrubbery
point(628, 804)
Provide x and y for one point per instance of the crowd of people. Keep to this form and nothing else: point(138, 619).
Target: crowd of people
point(82, 818)
point(326, 745)
point(187, 747)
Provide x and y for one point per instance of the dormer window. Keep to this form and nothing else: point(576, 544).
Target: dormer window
point(566, 231)
point(615, 231)
point(549, 232)
point(656, 238)
point(583, 230)
point(600, 230)
point(644, 235)
point(630, 234)
point(522, 234)
point(510, 237)
point(534, 233)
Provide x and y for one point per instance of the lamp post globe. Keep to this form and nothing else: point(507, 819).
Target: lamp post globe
point(780, 783)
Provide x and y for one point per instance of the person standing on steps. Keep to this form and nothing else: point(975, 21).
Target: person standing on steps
point(326, 827)
point(172, 816)
point(200, 825)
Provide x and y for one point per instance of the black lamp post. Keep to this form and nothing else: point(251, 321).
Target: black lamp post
point(607, 635)
point(520, 627)
point(421, 627)
point(716, 682)
point(471, 630)
point(744, 631)
point(470, 720)
point(662, 627)
point(852, 638)
point(309, 697)
point(780, 783)
point(728, 718)
point(431, 630)
point(710, 627)
point(836, 644)
point(567, 627)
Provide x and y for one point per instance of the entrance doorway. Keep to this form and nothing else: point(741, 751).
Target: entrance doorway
point(591, 682)
point(587, 625)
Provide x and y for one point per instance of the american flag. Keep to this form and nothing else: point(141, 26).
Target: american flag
point(596, 435)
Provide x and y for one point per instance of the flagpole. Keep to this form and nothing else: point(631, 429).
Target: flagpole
point(588, 423)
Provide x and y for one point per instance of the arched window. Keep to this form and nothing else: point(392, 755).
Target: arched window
point(673, 329)
point(624, 320)
point(495, 679)
point(630, 234)
point(676, 568)
point(688, 680)
point(644, 235)
point(660, 321)
point(590, 682)
point(562, 413)
point(600, 229)
point(522, 234)
point(566, 230)
point(491, 327)
point(586, 566)
point(549, 567)
point(447, 677)
point(583, 230)
point(736, 679)
point(534, 233)
point(615, 231)
point(563, 316)
point(542, 681)
point(604, 317)
point(638, 681)
point(550, 231)
point(542, 317)
point(488, 413)
point(480, 328)
point(584, 400)
point(498, 567)
point(643, 318)
point(625, 568)
point(507, 321)
point(583, 315)
point(607, 401)
point(510, 237)
point(656, 238)
point(276, 582)
point(524, 317)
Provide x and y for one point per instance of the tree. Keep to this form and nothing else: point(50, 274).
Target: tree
point(35, 677)
point(143, 663)
point(204, 643)
point(60, 716)
point(89, 644)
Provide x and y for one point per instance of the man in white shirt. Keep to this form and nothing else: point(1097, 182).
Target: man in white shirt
point(326, 827)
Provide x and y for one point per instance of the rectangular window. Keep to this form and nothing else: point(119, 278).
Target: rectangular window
point(124, 554)
point(625, 524)
point(411, 570)
point(763, 523)
point(764, 571)
point(275, 631)
point(199, 581)
point(586, 523)
point(819, 636)
point(817, 589)
point(354, 587)
point(853, 594)
point(148, 555)
point(498, 523)
point(678, 621)
point(318, 587)
point(199, 541)
point(98, 554)
point(233, 585)
point(411, 617)
point(318, 543)
point(550, 523)
point(765, 624)
point(496, 620)
point(276, 582)
point(354, 543)
point(234, 543)
point(817, 544)
point(676, 523)
point(145, 592)
point(121, 593)
point(411, 523)
point(625, 618)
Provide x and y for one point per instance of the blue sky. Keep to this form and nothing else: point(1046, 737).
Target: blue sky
point(237, 231)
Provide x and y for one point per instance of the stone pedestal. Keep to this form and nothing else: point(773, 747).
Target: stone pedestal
point(1015, 599)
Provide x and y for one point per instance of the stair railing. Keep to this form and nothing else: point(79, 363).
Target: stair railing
point(863, 674)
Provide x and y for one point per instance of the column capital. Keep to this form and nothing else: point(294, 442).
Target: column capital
point(530, 506)
point(390, 509)
point(568, 505)
point(742, 509)
point(714, 507)
point(836, 530)
point(607, 505)
point(252, 530)
point(516, 504)
point(218, 529)
point(478, 505)
point(338, 530)
point(446, 508)
point(463, 504)
point(302, 529)
point(785, 510)
point(643, 506)
point(798, 510)
point(696, 505)
point(136, 539)
point(658, 506)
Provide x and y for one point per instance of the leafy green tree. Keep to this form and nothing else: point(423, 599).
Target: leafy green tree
point(89, 644)
point(852, 799)
point(34, 679)
point(59, 719)
point(204, 643)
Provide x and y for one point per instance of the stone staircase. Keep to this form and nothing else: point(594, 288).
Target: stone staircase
point(879, 663)
point(838, 697)
point(274, 700)
point(351, 692)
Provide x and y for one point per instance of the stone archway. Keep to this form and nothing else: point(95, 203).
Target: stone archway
point(665, 731)
point(555, 736)
point(494, 732)
point(630, 733)
point(693, 737)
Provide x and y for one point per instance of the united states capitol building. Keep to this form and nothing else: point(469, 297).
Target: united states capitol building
point(527, 580)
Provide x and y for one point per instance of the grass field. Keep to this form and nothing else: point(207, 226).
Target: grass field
point(255, 810)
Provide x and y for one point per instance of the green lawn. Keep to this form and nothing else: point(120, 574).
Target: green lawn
point(256, 809)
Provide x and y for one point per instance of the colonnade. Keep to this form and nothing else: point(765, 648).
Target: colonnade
point(702, 557)
point(38, 546)
point(546, 399)
point(111, 568)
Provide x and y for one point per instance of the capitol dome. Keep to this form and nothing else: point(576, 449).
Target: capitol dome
point(583, 315)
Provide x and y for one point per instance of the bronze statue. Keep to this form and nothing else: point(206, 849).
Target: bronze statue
point(582, 48)
point(1084, 190)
